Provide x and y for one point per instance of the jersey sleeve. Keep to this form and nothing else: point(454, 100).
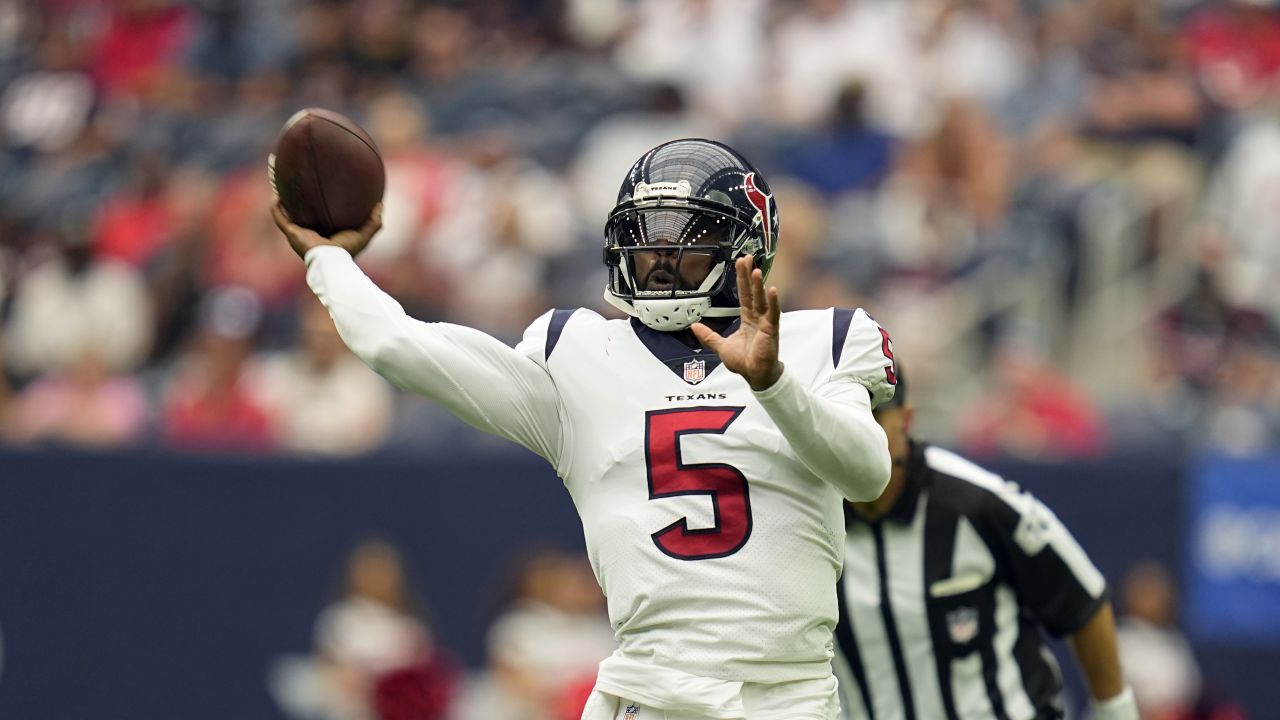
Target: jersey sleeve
point(829, 425)
point(487, 384)
point(1048, 569)
point(862, 353)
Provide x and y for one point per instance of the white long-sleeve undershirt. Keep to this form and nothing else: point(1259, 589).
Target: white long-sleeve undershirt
point(484, 382)
point(832, 432)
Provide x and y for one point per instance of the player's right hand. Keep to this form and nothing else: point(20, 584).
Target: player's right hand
point(752, 350)
point(301, 239)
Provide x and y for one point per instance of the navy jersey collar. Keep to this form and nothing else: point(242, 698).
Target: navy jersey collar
point(674, 354)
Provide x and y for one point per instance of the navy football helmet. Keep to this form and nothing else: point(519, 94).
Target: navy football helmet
point(686, 204)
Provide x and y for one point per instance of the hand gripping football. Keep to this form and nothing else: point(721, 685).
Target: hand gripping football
point(326, 171)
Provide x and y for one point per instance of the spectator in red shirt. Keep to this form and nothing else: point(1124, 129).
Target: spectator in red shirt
point(1032, 410)
point(208, 404)
point(142, 38)
point(244, 247)
point(133, 226)
point(1234, 47)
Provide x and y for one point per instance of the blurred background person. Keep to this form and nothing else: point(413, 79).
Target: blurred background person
point(661, 113)
point(208, 401)
point(545, 645)
point(696, 49)
point(516, 217)
point(375, 655)
point(1032, 410)
point(83, 405)
point(320, 398)
point(70, 303)
point(1157, 658)
point(819, 46)
point(47, 105)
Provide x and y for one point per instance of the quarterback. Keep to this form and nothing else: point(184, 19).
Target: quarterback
point(708, 441)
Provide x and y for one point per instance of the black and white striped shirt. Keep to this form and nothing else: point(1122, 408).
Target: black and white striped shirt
point(942, 599)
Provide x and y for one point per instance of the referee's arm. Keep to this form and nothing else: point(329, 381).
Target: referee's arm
point(1060, 585)
point(1095, 648)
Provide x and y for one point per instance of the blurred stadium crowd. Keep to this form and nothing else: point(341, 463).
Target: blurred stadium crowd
point(1066, 212)
point(376, 652)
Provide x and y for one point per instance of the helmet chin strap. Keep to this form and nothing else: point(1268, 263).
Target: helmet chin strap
point(669, 314)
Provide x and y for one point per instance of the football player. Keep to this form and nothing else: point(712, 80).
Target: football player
point(707, 441)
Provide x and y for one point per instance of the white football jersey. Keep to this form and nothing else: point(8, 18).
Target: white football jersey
point(717, 548)
point(712, 513)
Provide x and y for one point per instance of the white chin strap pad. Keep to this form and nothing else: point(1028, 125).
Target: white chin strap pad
point(677, 313)
point(670, 314)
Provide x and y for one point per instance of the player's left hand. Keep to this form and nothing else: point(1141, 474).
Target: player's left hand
point(752, 350)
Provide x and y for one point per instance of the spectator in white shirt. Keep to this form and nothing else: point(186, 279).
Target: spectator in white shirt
point(320, 398)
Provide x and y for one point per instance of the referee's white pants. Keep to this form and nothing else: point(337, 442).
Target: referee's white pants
point(798, 700)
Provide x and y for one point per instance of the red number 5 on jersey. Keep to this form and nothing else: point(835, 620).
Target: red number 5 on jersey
point(669, 476)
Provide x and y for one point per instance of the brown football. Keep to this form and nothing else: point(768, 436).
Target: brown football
point(326, 171)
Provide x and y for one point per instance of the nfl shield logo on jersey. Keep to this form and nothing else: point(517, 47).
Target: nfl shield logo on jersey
point(632, 712)
point(695, 371)
point(962, 625)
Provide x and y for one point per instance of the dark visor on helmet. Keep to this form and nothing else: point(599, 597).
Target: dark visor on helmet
point(654, 227)
point(660, 252)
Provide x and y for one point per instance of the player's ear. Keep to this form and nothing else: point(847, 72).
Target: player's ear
point(908, 414)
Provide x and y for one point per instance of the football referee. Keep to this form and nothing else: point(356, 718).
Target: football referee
point(949, 577)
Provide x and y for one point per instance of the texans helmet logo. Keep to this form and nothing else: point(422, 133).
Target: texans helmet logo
point(763, 204)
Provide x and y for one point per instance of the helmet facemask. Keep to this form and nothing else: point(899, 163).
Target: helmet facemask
point(693, 206)
point(656, 253)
